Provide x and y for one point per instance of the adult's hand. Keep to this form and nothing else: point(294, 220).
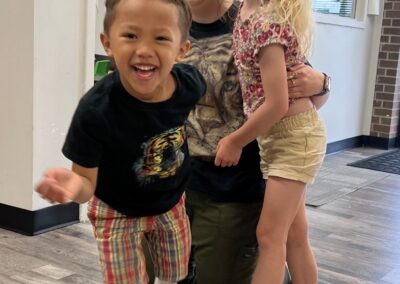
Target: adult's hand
point(304, 81)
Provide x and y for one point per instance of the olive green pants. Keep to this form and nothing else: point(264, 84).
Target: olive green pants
point(224, 243)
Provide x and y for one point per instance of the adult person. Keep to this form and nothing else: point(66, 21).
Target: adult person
point(224, 204)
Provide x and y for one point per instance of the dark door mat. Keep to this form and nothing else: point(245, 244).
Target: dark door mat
point(387, 162)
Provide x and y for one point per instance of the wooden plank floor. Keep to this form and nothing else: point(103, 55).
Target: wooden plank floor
point(356, 237)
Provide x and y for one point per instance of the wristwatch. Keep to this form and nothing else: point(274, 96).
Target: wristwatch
point(326, 87)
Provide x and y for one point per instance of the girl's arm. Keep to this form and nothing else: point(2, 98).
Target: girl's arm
point(273, 76)
point(63, 185)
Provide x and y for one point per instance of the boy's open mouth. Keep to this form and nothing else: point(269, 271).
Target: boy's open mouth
point(144, 71)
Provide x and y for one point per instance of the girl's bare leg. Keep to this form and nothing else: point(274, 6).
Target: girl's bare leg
point(282, 201)
point(300, 259)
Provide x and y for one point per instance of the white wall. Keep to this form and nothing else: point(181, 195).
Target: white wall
point(16, 81)
point(100, 12)
point(349, 54)
point(59, 76)
point(48, 63)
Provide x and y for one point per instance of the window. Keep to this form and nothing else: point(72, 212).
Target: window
point(344, 8)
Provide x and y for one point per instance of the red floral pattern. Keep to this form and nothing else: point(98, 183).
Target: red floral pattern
point(249, 36)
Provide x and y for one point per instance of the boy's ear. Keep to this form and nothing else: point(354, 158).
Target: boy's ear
point(106, 44)
point(182, 51)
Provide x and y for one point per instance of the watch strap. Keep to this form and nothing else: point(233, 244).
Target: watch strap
point(325, 88)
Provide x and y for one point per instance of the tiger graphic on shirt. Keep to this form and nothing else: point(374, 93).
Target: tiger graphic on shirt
point(163, 155)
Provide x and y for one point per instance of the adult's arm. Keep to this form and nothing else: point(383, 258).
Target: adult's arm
point(304, 81)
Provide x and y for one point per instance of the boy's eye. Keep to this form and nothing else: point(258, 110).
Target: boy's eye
point(162, 38)
point(130, 36)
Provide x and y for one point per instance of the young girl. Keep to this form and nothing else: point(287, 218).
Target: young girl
point(269, 38)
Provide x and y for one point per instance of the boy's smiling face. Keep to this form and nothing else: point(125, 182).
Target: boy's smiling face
point(145, 41)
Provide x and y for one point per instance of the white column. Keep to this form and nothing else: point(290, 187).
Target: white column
point(47, 54)
point(16, 102)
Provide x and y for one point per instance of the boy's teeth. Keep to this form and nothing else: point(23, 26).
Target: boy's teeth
point(145, 68)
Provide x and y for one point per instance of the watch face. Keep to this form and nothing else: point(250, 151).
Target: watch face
point(327, 84)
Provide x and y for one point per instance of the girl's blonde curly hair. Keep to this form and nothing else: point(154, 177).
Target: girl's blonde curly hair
point(298, 15)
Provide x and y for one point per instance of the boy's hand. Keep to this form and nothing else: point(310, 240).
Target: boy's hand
point(59, 185)
point(228, 154)
point(304, 81)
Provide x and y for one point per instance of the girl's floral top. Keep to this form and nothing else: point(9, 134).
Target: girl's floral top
point(249, 36)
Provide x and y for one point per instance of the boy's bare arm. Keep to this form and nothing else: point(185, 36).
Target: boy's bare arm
point(62, 185)
point(89, 179)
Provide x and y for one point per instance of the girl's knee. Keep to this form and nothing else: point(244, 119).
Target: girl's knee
point(269, 238)
point(298, 236)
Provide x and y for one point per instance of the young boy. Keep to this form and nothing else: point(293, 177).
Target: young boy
point(128, 144)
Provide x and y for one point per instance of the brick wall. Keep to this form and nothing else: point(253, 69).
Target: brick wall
point(385, 115)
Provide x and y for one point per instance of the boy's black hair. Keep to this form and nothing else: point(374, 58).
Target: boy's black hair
point(184, 12)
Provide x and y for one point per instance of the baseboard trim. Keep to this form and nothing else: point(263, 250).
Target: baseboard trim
point(32, 223)
point(344, 144)
point(382, 143)
point(362, 140)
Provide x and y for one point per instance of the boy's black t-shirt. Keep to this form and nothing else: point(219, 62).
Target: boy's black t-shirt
point(140, 148)
point(219, 113)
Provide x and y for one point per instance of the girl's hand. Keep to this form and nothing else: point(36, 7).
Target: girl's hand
point(59, 185)
point(304, 81)
point(228, 154)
